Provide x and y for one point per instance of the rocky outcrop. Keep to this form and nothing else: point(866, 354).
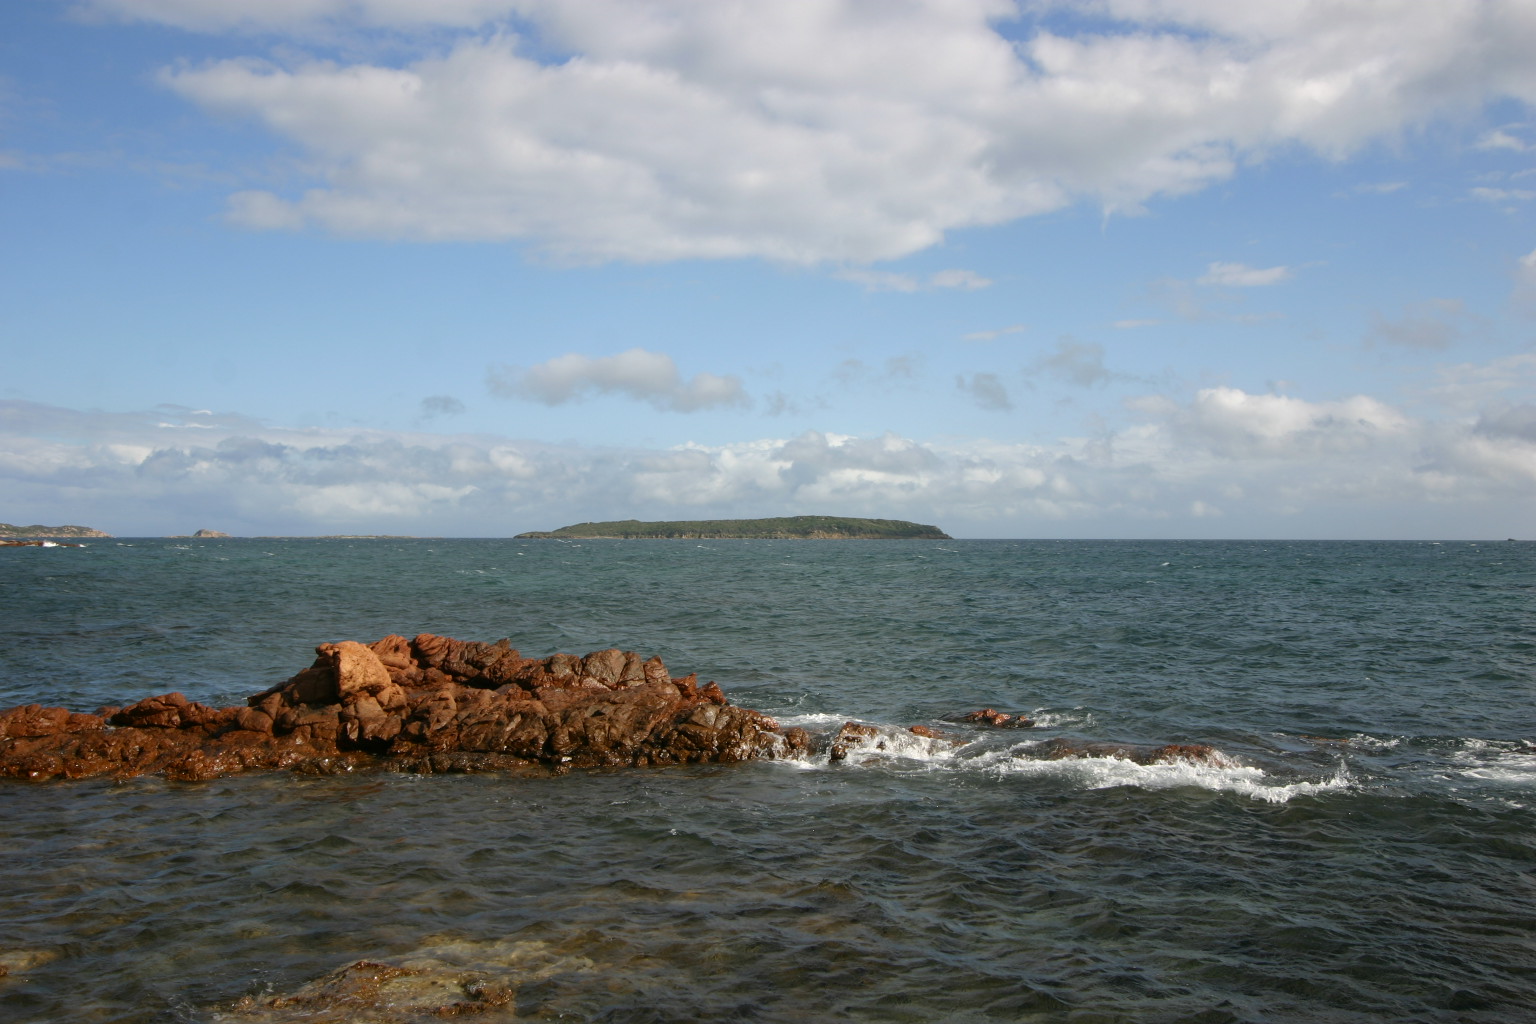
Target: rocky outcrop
point(427, 704)
point(991, 716)
point(36, 531)
point(477, 980)
point(210, 533)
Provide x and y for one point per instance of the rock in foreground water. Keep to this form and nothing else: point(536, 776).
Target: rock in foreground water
point(427, 704)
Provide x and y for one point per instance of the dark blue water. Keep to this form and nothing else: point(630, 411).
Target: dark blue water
point(1365, 850)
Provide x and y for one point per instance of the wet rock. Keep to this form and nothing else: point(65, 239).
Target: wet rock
point(17, 962)
point(853, 736)
point(418, 704)
point(383, 994)
point(991, 716)
point(1061, 748)
point(450, 978)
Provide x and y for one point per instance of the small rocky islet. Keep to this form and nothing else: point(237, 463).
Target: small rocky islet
point(428, 704)
point(437, 704)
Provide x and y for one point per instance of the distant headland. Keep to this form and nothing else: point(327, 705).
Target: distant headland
point(9, 531)
point(783, 528)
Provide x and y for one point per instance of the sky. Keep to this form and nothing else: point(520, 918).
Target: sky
point(1110, 268)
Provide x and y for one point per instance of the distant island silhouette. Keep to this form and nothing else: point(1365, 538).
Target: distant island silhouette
point(9, 530)
point(782, 528)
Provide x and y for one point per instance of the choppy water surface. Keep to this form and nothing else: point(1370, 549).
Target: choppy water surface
point(1366, 853)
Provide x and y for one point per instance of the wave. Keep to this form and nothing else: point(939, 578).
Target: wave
point(1088, 766)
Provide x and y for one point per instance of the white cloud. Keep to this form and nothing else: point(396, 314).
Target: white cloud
point(1237, 275)
point(1503, 195)
point(1232, 423)
point(1525, 278)
point(886, 281)
point(301, 16)
point(1347, 467)
point(1500, 139)
point(995, 334)
point(647, 376)
point(1465, 389)
point(819, 130)
point(965, 280)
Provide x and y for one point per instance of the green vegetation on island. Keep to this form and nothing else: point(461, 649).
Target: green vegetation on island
point(782, 528)
point(7, 530)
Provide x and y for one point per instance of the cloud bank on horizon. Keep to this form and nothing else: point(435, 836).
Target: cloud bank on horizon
point(1112, 268)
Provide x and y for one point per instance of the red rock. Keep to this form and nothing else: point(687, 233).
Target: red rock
point(852, 736)
point(431, 703)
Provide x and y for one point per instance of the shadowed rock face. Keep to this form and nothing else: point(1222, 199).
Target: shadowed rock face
point(427, 704)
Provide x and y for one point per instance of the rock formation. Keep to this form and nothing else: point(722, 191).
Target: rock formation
point(429, 704)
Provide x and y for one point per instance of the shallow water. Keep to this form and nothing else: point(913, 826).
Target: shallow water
point(1365, 851)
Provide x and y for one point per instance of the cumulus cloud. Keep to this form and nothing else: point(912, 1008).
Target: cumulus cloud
point(1233, 423)
point(1222, 459)
point(637, 373)
point(986, 389)
point(1465, 389)
point(1238, 275)
point(814, 131)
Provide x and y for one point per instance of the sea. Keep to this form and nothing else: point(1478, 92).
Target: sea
point(1363, 849)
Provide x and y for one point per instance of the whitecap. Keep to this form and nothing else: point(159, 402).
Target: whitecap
point(1227, 776)
point(811, 720)
point(1076, 718)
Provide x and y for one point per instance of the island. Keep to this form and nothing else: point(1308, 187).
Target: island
point(782, 528)
point(40, 532)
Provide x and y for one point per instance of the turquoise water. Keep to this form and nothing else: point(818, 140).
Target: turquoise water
point(1366, 851)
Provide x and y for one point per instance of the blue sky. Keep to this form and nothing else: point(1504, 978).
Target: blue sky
point(1130, 268)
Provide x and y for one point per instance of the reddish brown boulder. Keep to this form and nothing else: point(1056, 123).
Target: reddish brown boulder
point(431, 703)
point(991, 716)
point(853, 736)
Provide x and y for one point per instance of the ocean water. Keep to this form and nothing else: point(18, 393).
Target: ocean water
point(1366, 851)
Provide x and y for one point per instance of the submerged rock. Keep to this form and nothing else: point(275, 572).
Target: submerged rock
point(452, 979)
point(426, 704)
point(1061, 748)
point(383, 994)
